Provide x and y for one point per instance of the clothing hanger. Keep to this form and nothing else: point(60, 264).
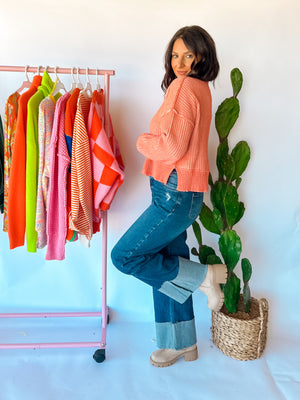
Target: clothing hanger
point(73, 81)
point(25, 84)
point(98, 88)
point(88, 86)
point(79, 84)
point(58, 85)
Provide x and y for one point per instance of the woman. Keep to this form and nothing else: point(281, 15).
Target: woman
point(154, 248)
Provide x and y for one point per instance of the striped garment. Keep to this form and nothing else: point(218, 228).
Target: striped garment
point(107, 164)
point(10, 124)
point(69, 126)
point(81, 216)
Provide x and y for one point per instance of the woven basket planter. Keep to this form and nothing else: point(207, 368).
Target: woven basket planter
point(241, 336)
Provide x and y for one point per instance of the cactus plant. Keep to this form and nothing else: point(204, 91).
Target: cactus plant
point(227, 210)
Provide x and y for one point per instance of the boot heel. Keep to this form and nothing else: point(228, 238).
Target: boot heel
point(191, 355)
point(220, 271)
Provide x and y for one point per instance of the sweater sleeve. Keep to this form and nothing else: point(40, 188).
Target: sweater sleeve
point(172, 142)
point(174, 127)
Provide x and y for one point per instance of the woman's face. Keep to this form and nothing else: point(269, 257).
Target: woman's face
point(182, 58)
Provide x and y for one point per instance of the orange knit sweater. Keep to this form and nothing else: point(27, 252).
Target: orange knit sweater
point(178, 137)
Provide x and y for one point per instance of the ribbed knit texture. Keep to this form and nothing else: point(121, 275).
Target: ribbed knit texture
point(71, 108)
point(107, 173)
point(10, 124)
point(17, 179)
point(1, 167)
point(46, 115)
point(57, 195)
point(178, 137)
point(81, 218)
point(32, 159)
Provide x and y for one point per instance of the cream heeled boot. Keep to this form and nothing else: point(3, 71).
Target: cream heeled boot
point(167, 357)
point(216, 274)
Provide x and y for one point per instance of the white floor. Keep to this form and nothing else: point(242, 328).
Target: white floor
point(72, 374)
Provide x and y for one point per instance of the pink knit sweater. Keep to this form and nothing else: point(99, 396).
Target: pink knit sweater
point(178, 137)
point(57, 195)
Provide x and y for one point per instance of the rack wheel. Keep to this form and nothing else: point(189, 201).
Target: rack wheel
point(99, 355)
point(107, 319)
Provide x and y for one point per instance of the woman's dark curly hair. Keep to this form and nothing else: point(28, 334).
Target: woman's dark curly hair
point(201, 44)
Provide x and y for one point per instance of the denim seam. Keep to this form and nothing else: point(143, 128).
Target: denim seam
point(147, 234)
point(194, 197)
point(179, 288)
point(176, 335)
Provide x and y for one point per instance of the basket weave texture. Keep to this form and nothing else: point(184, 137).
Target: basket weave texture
point(241, 336)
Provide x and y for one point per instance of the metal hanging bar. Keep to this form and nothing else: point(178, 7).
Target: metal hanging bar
point(59, 70)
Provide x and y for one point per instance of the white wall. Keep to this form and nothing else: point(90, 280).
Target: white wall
point(259, 37)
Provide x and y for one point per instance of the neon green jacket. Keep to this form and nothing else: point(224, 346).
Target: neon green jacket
point(32, 158)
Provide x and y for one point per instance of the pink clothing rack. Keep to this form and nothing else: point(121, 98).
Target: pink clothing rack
point(99, 355)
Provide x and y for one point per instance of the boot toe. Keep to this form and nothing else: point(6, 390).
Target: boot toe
point(167, 357)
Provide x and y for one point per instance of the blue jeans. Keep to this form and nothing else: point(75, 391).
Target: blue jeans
point(154, 250)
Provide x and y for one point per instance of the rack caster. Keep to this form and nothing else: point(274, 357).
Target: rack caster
point(99, 355)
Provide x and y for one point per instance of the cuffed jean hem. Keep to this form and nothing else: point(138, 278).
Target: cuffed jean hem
point(177, 336)
point(190, 276)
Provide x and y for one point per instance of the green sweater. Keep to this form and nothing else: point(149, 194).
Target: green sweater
point(32, 158)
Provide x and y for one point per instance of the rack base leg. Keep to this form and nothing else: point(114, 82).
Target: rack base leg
point(99, 355)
